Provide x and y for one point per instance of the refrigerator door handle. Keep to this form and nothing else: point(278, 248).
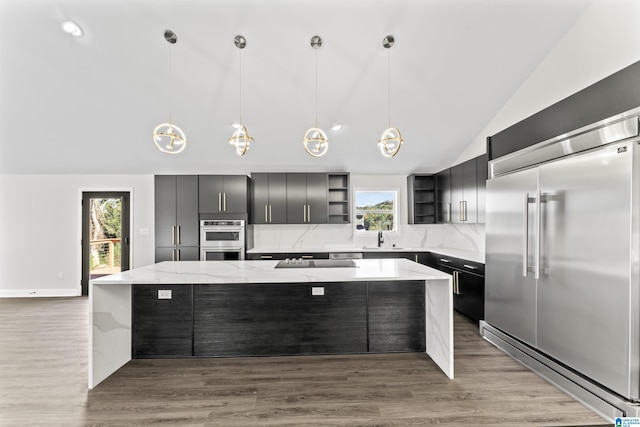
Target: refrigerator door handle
point(538, 229)
point(525, 236)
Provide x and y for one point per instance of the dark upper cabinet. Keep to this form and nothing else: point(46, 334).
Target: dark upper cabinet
point(482, 175)
point(223, 194)
point(460, 192)
point(176, 211)
point(464, 201)
point(421, 196)
point(443, 196)
point(307, 198)
point(269, 198)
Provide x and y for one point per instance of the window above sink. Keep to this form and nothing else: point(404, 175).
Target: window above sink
point(375, 209)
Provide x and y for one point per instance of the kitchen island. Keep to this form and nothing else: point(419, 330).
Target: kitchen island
point(111, 299)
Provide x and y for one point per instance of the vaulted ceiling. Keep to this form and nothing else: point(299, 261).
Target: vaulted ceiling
point(89, 105)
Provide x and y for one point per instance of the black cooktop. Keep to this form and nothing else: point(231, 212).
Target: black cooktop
point(316, 263)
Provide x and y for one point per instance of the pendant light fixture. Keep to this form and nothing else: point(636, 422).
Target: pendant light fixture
point(315, 140)
point(391, 139)
point(168, 137)
point(240, 138)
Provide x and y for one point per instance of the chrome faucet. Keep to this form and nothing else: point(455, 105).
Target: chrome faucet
point(380, 238)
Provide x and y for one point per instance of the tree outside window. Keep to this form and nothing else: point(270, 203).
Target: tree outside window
point(375, 210)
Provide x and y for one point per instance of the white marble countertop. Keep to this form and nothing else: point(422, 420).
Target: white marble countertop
point(458, 253)
point(211, 272)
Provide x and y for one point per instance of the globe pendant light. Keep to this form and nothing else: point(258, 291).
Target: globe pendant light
point(391, 139)
point(240, 138)
point(168, 137)
point(315, 140)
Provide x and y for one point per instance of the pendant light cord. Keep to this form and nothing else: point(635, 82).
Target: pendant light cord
point(170, 83)
point(389, 87)
point(240, 60)
point(316, 88)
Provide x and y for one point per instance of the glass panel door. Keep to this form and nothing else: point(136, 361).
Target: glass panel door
point(105, 235)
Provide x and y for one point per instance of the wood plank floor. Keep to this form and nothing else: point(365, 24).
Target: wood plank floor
point(43, 380)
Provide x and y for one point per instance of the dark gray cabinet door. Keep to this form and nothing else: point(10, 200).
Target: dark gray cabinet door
point(317, 198)
point(188, 232)
point(182, 253)
point(457, 193)
point(464, 202)
point(176, 210)
point(235, 195)
point(307, 198)
point(397, 316)
point(469, 190)
point(470, 296)
point(277, 198)
point(223, 194)
point(260, 198)
point(296, 198)
point(165, 210)
point(258, 319)
point(482, 169)
point(269, 198)
point(210, 193)
point(443, 196)
point(162, 327)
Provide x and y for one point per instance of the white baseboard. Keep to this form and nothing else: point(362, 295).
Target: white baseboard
point(26, 293)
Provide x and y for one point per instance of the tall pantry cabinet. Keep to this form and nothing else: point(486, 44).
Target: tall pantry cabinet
point(176, 218)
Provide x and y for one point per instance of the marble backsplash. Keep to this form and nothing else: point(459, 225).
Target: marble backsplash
point(467, 237)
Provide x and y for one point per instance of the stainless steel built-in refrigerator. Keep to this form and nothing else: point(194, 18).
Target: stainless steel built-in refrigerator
point(563, 252)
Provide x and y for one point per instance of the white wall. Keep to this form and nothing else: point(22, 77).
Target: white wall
point(40, 237)
point(604, 40)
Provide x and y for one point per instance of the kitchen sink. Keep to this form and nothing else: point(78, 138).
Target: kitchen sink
point(382, 249)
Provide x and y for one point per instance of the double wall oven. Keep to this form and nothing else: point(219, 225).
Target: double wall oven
point(222, 240)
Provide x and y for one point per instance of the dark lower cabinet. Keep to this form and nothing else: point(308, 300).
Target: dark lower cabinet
point(470, 297)
point(162, 327)
point(396, 316)
point(468, 283)
point(280, 319)
point(412, 256)
point(244, 319)
point(182, 253)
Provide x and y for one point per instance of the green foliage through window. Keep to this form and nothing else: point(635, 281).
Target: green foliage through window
point(375, 210)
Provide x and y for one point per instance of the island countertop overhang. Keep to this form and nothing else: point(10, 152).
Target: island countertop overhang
point(203, 272)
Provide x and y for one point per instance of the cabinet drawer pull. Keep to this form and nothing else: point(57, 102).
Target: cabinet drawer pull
point(471, 267)
point(307, 256)
point(445, 260)
point(266, 256)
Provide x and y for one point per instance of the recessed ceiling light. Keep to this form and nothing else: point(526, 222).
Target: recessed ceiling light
point(72, 28)
point(336, 127)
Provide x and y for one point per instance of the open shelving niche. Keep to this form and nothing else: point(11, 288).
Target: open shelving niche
point(422, 199)
point(338, 198)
